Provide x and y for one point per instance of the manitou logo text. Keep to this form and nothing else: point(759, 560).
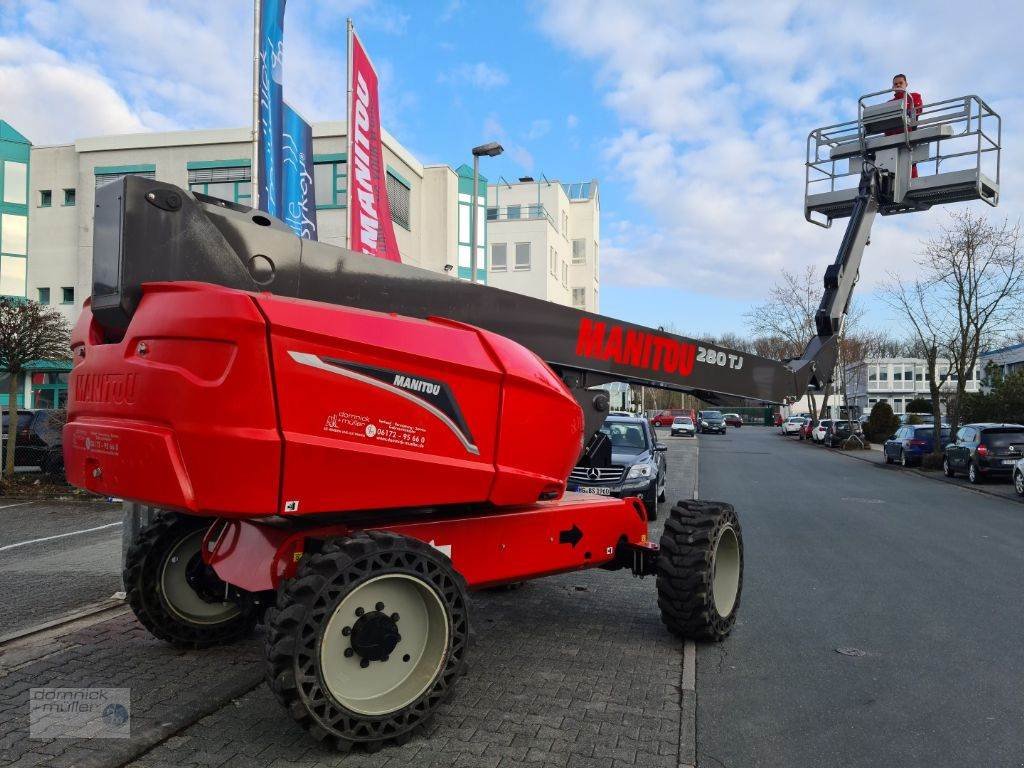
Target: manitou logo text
point(113, 388)
point(634, 348)
point(416, 385)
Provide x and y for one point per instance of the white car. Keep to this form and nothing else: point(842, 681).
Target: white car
point(683, 425)
point(1018, 477)
point(791, 426)
point(820, 430)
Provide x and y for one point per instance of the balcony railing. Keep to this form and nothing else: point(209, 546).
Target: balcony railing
point(530, 212)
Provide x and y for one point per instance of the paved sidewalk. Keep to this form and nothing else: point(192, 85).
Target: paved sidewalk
point(573, 670)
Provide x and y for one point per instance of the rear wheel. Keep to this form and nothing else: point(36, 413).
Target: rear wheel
point(973, 475)
point(175, 595)
point(368, 639)
point(904, 459)
point(947, 468)
point(700, 570)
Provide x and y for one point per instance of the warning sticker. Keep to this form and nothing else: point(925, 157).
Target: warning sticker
point(377, 429)
point(98, 442)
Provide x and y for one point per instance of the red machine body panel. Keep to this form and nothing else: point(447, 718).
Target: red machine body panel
point(231, 404)
point(513, 544)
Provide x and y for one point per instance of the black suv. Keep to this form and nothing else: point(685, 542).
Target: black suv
point(710, 421)
point(839, 431)
point(984, 450)
point(39, 442)
point(638, 465)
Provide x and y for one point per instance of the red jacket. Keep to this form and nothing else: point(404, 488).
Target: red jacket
point(914, 106)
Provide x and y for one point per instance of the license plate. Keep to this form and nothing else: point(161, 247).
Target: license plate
point(596, 490)
point(1009, 462)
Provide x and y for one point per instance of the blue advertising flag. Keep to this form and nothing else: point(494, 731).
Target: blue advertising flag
point(298, 204)
point(271, 59)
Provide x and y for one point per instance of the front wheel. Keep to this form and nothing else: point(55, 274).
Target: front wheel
point(947, 469)
point(904, 460)
point(1018, 483)
point(175, 595)
point(368, 639)
point(700, 570)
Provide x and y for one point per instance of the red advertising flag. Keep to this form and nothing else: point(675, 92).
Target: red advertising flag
point(370, 229)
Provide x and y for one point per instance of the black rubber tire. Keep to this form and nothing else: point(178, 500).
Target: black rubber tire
point(904, 461)
point(888, 458)
point(947, 469)
point(1018, 483)
point(304, 607)
point(661, 497)
point(973, 475)
point(143, 566)
point(651, 503)
point(686, 568)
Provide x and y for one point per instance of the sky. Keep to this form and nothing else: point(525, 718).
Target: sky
point(692, 116)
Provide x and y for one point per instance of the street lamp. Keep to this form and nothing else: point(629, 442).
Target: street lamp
point(491, 149)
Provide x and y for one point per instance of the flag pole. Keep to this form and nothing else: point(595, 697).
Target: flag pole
point(348, 133)
point(254, 170)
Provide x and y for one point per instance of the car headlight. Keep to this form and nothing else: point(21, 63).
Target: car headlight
point(703, 423)
point(638, 471)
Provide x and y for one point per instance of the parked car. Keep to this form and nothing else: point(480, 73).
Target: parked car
point(984, 450)
point(911, 443)
point(684, 426)
point(665, 418)
point(39, 442)
point(638, 465)
point(820, 430)
point(792, 425)
point(841, 430)
point(1018, 478)
point(710, 421)
point(733, 420)
point(806, 429)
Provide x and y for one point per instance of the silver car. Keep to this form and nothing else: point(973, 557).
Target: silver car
point(683, 425)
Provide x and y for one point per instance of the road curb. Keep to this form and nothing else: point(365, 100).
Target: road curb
point(70, 622)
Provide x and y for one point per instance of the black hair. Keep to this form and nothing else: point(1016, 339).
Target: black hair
point(899, 75)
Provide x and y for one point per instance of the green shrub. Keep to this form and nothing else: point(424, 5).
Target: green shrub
point(919, 405)
point(882, 423)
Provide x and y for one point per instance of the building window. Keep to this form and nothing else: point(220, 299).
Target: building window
point(44, 295)
point(552, 262)
point(330, 183)
point(492, 214)
point(12, 275)
point(873, 373)
point(579, 297)
point(514, 212)
point(13, 234)
point(67, 295)
point(579, 251)
point(15, 183)
point(45, 198)
point(233, 184)
point(565, 275)
point(522, 256)
point(565, 224)
point(897, 375)
point(499, 257)
point(69, 197)
point(883, 374)
point(102, 179)
point(399, 198)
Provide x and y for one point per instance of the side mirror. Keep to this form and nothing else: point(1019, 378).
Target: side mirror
point(661, 448)
point(892, 437)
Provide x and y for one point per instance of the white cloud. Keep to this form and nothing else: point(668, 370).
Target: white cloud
point(522, 157)
point(538, 129)
point(571, 121)
point(479, 75)
point(712, 104)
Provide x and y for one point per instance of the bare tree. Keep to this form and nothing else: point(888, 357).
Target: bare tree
point(28, 331)
point(978, 269)
point(787, 319)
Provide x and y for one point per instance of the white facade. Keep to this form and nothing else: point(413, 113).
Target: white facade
point(897, 381)
point(544, 240)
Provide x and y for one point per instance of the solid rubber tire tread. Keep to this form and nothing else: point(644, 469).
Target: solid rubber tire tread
point(685, 570)
point(141, 576)
point(305, 604)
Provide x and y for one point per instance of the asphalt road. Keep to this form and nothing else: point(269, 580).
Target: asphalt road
point(53, 562)
point(920, 581)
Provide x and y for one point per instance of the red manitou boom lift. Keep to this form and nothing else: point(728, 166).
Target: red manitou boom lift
point(342, 445)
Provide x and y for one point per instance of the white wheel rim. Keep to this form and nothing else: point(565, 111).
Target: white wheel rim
point(725, 579)
point(1018, 482)
point(178, 594)
point(386, 686)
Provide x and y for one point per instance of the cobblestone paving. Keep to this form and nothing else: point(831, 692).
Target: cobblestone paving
point(574, 670)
